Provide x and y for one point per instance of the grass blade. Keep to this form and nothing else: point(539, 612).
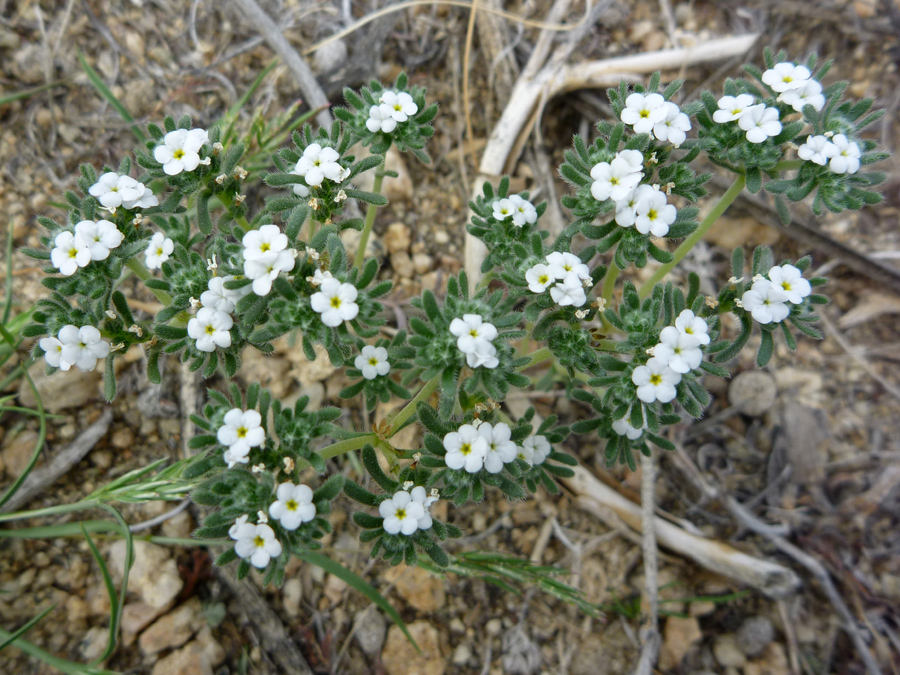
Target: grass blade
point(26, 93)
point(110, 591)
point(106, 93)
point(27, 627)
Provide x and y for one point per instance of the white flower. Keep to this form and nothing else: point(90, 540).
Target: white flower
point(526, 454)
point(653, 213)
point(523, 211)
point(145, 201)
point(265, 269)
point(539, 278)
point(614, 180)
point(233, 458)
point(846, 157)
point(258, 543)
point(233, 295)
point(293, 506)
point(318, 277)
point(466, 448)
point(732, 107)
point(563, 265)
point(760, 123)
point(70, 253)
point(538, 447)
point(99, 237)
point(234, 529)
point(210, 328)
point(642, 112)
point(264, 243)
point(570, 291)
point(634, 157)
point(766, 302)
point(399, 104)
point(673, 126)
point(471, 331)
point(158, 251)
point(503, 209)
point(217, 297)
point(318, 163)
point(681, 352)
point(626, 209)
point(785, 76)
point(692, 325)
point(500, 449)
point(381, 119)
point(81, 347)
point(299, 189)
point(810, 93)
point(53, 353)
point(655, 381)
point(485, 354)
point(112, 190)
point(240, 431)
point(180, 150)
point(791, 282)
point(817, 149)
point(401, 513)
point(623, 428)
point(418, 495)
point(373, 361)
point(335, 302)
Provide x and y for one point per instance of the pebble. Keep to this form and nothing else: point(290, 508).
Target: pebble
point(180, 526)
point(418, 587)
point(17, 452)
point(493, 627)
point(422, 262)
point(173, 629)
point(61, 391)
point(441, 237)
point(402, 265)
point(727, 652)
point(93, 643)
point(754, 391)
point(291, 595)
point(122, 438)
point(154, 575)
point(401, 658)
point(397, 237)
point(461, 655)
point(370, 632)
point(754, 635)
point(679, 635)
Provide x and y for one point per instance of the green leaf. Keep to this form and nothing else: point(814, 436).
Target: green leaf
point(109, 379)
point(204, 221)
point(26, 627)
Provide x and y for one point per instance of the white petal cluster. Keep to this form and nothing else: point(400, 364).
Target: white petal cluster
point(655, 381)
point(180, 150)
point(839, 153)
point(795, 86)
point(474, 339)
point(537, 448)
point(113, 191)
point(372, 362)
point(678, 352)
point(652, 212)
point(210, 328)
point(617, 179)
point(768, 298)
point(240, 431)
point(521, 210)
point(158, 251)
point(256, 542)
point(319, 163)
point(266, 255)
point(73, 346)
point(644, 111)
point(500, 449)
point(99, 236)
point(69, 253)
point(759, 121)
point(732, 107)
point(293, 505)
point(222, 299)
point(404, 513)
point(335, 301)
point(489, 447)
point(393, 107)
point(564, 274)
point(623, 428)
point(466, 449)
point(674, 126)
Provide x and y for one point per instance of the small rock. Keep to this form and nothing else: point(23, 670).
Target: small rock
point(401, 658)
point(679, 635)
point(441, 237)
point(422, 262)
point(334, 588)
point(754, 391)
point(420, 588)
point(772, 662)
point(173, 629)
point(402, 265)
point(61, 391)
point(102, 459)
point(189, 660)
point(521, 654)
point(17, 451)
point(93, 643)
point(754, 635)
point(122, 438)
point(330, 56)
point(179, 526)
point(461, 655)
point(371, 631)
point(77, 610)
point(727, 652)
point(457, 626)
point(493, 627)
point(291, 595)
point(136, 616)
point(397, 237)
point(154, 575)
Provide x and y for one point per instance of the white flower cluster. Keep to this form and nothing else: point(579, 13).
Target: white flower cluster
point(293, 505)
point(315, 165)
point(474, 339)
point(75, 346)
point(521, 210)
point(767, 300)
point(373, 361)
point(92, 240)
point(489, 447)
point(677, 353)
point(623, 428)
point(266, 255)
point(335, 301)
point(840, 153)
point(242, 430)
point(758, 120)
point(647, 113)
point(113, 191)
point(795, 86)
point(158, 251)
point(256, 542)
point(565, 275)
point(407, 511)
point(180, 150)
point(394, 107)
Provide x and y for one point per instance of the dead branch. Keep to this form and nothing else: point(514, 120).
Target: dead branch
point(650, 638)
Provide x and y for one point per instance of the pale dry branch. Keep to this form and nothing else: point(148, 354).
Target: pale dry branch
point(649, 634)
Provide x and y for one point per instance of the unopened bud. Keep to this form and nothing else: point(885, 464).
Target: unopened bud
point(407, 485)
point(195, 303)
point(239, 199)
point(288, 465)
point(313, 203)
point(218, 147)
point(261, 516)
point(111, 314)
point(341, 196)
point(221, 178)
point(137, 330)
point(240, 172)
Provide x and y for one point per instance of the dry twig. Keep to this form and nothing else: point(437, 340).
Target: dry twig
point(649, 634)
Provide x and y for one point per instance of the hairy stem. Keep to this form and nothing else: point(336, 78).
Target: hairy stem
point(143, 274)
point(370, 220)
point(400, 418)
point(724, 202)
point(609, 282)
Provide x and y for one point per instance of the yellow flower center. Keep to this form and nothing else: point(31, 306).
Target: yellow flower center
point(543, 279)
point(373, 361)
point(466, 448)
point(652, 214)
point(159, 251)
point(474, 332)
point(291, 505)
point(259, 542)
point(400, 513)
point(645, 113)
point(210, 329)
point(73, 253)
point(265, 247)
point(398, 107)
point(656, 379)
point(241, 432)
point(335, 302)
point(178, 154)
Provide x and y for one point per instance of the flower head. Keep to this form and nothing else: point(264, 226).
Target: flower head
point(217, 297)
point(791, 282)
point(673, 126)
point(471, 331)
point(643, 111)
point(258, 543)
point(180, 150)
point(570, 291)
point(70, 253)
point(233, 530)
point(623, 428)
point(766, 302)
point(318, 163)
point(538, 447)
point(680, 351)
point(690, 324)
point(614, 180)
point(653, 213)
point(158, 251)
point(210, 328)
point(760, 123)
point(563, 265)
point(846, 156)
point(784, 76)
point(655, 381)
point(809, 93)
point(53, 353)
point(817, 149)
point(81, 347)
point(419, 495)
point(401, 513)
point(523, 211)
point(539, 278)
point(485, 355)
point(265, 269)
point(372, 362)
point(113, 191)
point(732, 107)
point(500, 449)
point(293, 506)
point(381, 119)
point(503, 209)
point(466, 449)
point(398, 104)
point(99, 237)
point(335, 302)
point(265, 243)
point(240, 431)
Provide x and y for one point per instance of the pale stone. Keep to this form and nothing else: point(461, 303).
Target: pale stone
point(60, 390)
point(17, 452)
point(727, 652)
point(173, 629)
point(418, 587)
point(401, 658)
point(754, 635)
point(397, 237)
point(371, 631)
point(754, 391)
point(402, 265)
point(94, 642)
point(291, 595)
point(136, 616)
point(154, 575)
point(679, 635)
point(772, 662)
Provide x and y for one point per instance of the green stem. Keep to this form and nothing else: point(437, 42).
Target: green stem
point(49, 511)
point(542, 354)
point(370, 220)
point(143, 274)
point(724, 202)
point(347, 445)
point(609, 282)
point(400, 418)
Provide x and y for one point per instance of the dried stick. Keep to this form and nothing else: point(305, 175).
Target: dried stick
point(315, 97)
point(770, 578)
point(61, 462)
point(649, 631)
